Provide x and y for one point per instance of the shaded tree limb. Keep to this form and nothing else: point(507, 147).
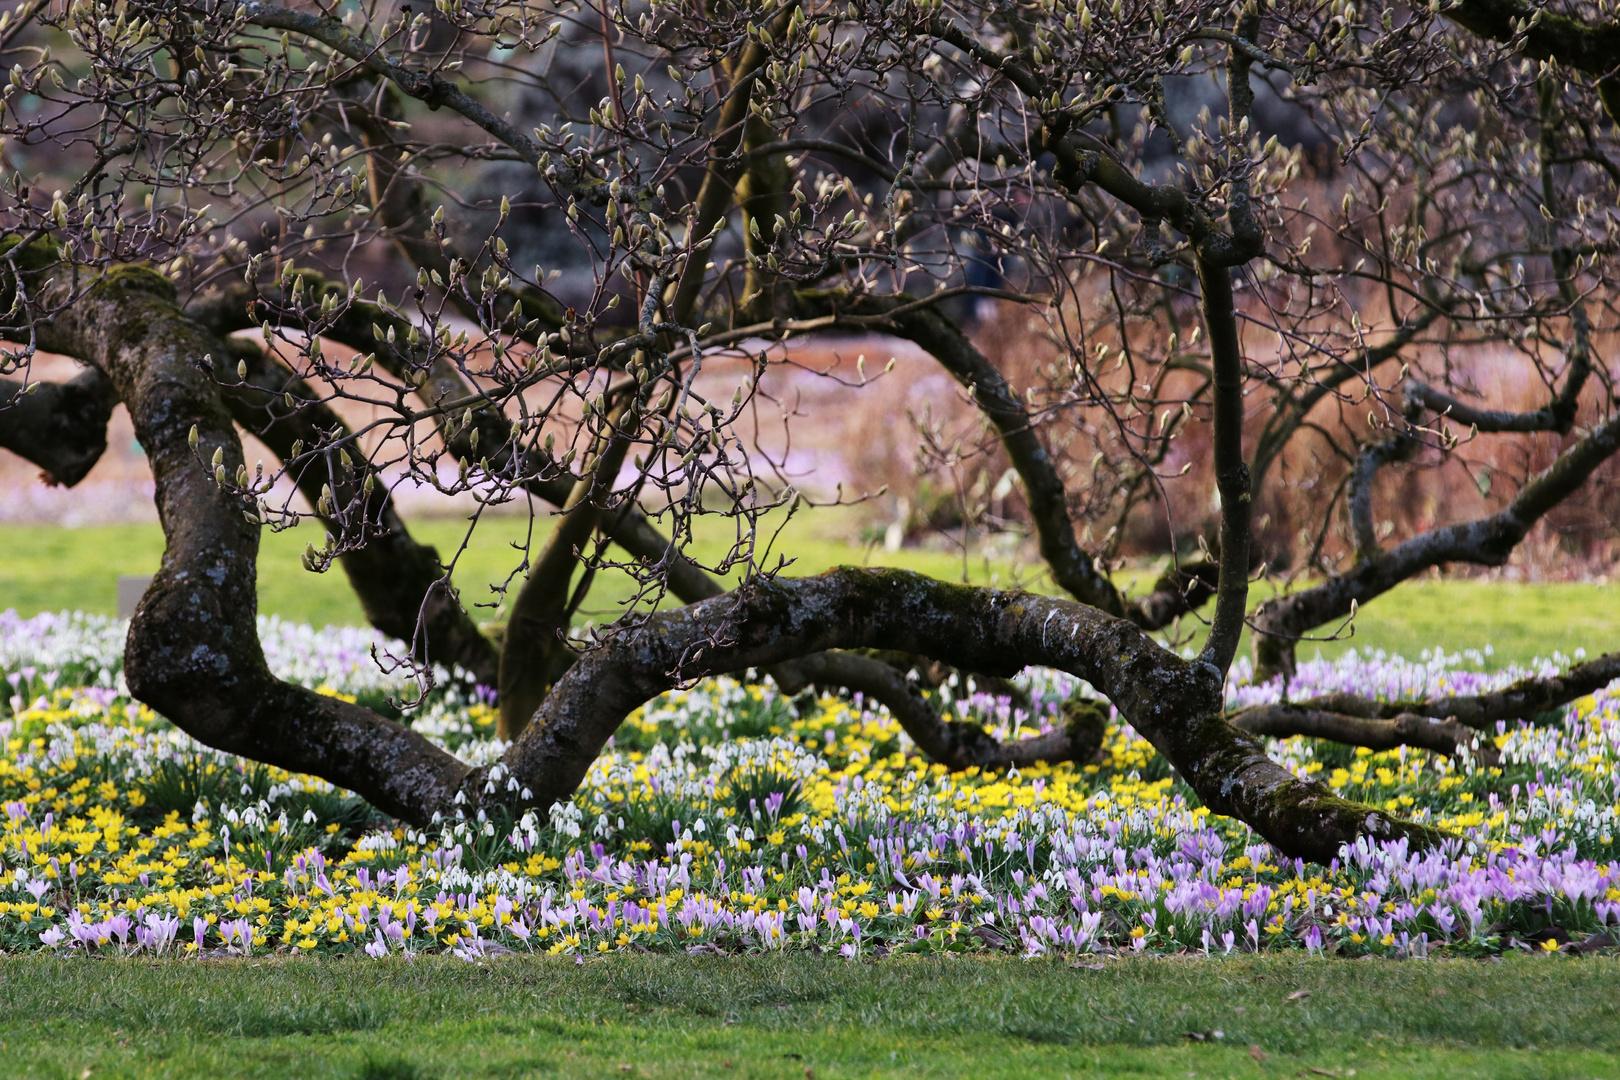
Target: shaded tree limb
point(1527, 699)
point(1557, 415)
point(626, 526)
point(1372, 457)
point(1486, 541)
point(540, 475)
point(957, 744)
point(193, 651)
point(1284, 720)
point(534, 652)
point(934, 674)
point(635, 534)
point(725, 167)
point(61, 427)
point(1072, 568)
point(1231, 470)
point(1176, 704)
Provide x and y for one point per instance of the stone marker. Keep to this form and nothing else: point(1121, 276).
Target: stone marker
point(131, 587)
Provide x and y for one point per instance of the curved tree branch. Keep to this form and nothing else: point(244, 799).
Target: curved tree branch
point(1174, 703)
point(1283, 720)
point(957, 744)
point(1373, 456)
point(1486, 541)
point(61, 427)
point(1072, 568)
point(1527, 699)
point(193, 651)
point(539, 615)
point(1231, 471)
point(1557, 415)
point(226, 312)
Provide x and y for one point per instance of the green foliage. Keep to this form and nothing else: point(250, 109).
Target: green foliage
point(390, 1068)
point(178, 785)
point(752, 788)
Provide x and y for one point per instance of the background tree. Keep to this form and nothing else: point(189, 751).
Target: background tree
point(1249, 246)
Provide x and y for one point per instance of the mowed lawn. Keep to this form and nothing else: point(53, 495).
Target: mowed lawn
point(47, 568)
point(787, 1018)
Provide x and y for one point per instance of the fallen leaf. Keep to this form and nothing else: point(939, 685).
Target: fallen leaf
point(1298, 995)
point(1257, 1053)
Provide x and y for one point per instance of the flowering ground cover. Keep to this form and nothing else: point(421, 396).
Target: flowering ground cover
point(687, 913)
point(727, 818)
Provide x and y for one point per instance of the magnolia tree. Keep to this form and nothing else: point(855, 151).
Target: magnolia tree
point(1234, 232)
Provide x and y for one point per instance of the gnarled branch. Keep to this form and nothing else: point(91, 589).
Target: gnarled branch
point(1526, 699)
point(193, 650)
point(956, 744)
point(61, 427)
point(399, 581)
point(1284, 720)
point(1174, 703)
point(1486, 541)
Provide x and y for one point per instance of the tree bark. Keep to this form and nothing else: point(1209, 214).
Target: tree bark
point(1528, 699)
point(534, 652)
point(193, 652)
point(957, 744)
point(1231, 471)
point(1447, 737)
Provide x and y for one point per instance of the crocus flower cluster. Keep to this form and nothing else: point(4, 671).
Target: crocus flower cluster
point(728, 817)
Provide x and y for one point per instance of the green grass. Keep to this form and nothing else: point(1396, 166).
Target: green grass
point(789, 1017)
point(46, 568)
point(1520, 622)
